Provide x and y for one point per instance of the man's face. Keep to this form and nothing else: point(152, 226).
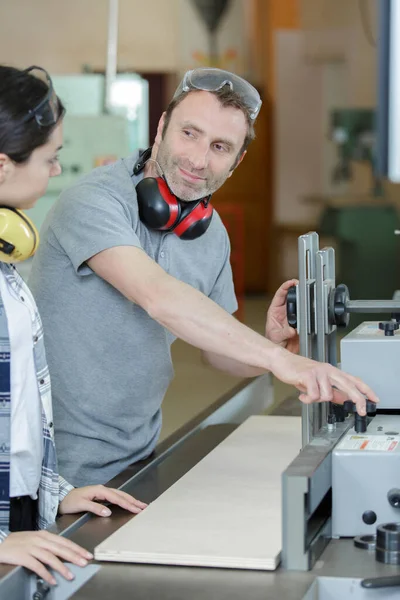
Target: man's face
point(200, 146)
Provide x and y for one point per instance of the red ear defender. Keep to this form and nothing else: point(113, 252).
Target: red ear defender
point(193, 224)
point(159, 209)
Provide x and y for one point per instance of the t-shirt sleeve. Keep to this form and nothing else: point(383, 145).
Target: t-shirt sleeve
point(89, 219)
point(223, 292)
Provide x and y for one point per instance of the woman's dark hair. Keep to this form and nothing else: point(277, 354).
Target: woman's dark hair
point(20, 92)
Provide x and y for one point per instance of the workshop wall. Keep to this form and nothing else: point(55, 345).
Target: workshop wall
point(306, 57)
point(328, 62)
point(157, 35)
point(64, 36)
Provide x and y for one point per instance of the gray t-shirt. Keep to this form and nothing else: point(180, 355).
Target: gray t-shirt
point(110, 363)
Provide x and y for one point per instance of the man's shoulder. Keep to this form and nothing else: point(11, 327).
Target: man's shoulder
point(217, 227)
point(113, 178)
point(110, 188)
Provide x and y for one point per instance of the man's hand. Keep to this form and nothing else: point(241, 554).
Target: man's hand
point(34, 549)
point(321, 382)
point(277, 328)
point(83, 500)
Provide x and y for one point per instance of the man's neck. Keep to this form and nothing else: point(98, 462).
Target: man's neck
point(150, 168)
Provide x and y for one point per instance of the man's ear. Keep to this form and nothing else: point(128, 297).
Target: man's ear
point(237, 163)
point(6, 167)
point(160, 128)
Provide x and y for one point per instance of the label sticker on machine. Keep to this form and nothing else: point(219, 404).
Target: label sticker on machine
point(376, 443)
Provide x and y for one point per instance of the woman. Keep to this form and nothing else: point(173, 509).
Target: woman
point(31, 491)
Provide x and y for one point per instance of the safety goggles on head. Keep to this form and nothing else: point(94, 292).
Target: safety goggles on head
point(46, 113)
point(212, 80)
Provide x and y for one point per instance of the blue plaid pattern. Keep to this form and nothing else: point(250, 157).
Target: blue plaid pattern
point(52, 487)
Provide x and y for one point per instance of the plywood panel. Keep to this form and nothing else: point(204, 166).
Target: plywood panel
point(225, 512)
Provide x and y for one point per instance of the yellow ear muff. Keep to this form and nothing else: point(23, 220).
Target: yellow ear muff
point(19, 237)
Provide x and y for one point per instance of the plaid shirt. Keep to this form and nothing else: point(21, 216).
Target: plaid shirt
point(52, 487)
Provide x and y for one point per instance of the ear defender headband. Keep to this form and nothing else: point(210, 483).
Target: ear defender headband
point(19, 237)
point(161, 210)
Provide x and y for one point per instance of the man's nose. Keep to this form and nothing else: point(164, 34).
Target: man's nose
point(199, 156)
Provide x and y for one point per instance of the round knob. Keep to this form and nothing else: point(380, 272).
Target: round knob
point(369, 517)
point(331, 419)
point(339, 413)
point(291, 306)
point(360, 423)
point(394, 497)
point(389, 327)
point(350, 407)
point(340, 297)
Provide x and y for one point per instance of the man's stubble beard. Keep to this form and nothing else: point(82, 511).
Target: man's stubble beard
point(183, 189)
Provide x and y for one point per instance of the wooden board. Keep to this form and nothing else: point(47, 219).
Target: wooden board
point(225, 512)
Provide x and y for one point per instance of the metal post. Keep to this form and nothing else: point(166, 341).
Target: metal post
point(372, 306)
point(326, 333)
point(307, 249)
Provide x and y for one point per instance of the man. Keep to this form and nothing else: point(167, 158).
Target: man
point(114, 291)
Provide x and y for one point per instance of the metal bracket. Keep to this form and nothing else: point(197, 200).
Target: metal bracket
point(317, 335)
point(306, 501)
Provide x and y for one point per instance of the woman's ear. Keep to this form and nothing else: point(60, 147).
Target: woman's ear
point(6, 167)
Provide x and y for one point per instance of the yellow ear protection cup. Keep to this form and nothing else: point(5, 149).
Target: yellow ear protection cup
point(19, 237)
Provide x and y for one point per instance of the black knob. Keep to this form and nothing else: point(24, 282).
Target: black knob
point(291, 306)
point(350, 407)
point(338, 312)
point(339, 412)
point(389, 327)
point(360, 423)
point(394, 497)
point(369, 517)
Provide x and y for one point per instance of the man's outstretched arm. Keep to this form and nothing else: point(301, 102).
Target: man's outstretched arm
point(196, 319)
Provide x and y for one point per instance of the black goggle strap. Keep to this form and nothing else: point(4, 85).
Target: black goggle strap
point(46, 111)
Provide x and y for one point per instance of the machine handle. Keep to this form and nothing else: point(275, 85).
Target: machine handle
point(389, 327)
point(393, 496)
point(381, 582)
point(360, 423)
point(291, 306)
point(350, 407)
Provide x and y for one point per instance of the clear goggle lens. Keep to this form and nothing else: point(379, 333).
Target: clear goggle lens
point(212, 80)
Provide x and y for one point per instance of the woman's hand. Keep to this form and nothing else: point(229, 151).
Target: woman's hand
point(85, 499)
point(35, 549)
